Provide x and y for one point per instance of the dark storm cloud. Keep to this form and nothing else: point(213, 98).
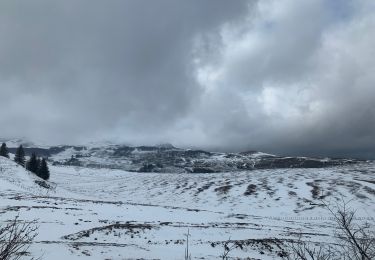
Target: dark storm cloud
point(300, 78)
point(284, 76)
point(86, 66)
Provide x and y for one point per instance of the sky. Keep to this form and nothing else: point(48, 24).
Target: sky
point(281, 76)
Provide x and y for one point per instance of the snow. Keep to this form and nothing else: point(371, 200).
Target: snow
point(114, 214)
point(15, 142)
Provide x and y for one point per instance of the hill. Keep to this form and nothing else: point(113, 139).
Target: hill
point(87, 213)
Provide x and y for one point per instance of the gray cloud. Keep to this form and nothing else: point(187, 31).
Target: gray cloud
point(301, 77)
point(86, 67)
point(291, 77)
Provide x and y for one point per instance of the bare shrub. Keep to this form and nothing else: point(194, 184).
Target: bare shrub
point(15, 239)
point(355, 241)
point(303, 250)
point(228, 247)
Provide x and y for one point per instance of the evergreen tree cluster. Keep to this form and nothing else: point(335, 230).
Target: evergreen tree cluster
point(34, 164)
point(19, 157)
point(38, 166)
point(4, 151)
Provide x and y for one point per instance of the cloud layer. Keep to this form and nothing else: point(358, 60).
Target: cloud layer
point(300, 78)
point(291, 77)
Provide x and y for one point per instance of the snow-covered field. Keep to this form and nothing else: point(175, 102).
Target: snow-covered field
point(113, 214)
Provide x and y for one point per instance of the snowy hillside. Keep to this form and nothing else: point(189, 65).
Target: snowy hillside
point(16, 178)
point(91, 213)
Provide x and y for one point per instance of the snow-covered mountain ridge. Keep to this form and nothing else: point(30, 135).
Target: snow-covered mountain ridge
point(168, 159)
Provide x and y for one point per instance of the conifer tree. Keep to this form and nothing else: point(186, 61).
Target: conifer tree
point(43, 171)
point(33, 163)
point(38, 162)
point(20, 156)
point(4, 150)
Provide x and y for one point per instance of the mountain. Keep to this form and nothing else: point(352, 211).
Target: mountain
point(166, 158)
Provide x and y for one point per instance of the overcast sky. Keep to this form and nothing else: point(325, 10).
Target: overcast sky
point(281, 76)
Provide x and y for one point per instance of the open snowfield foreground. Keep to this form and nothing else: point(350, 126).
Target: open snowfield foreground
point(85, 213)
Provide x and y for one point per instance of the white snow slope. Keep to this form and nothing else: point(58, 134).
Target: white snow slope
point(113, 214)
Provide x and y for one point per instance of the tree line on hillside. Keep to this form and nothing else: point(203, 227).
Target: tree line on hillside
point(34, 164)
